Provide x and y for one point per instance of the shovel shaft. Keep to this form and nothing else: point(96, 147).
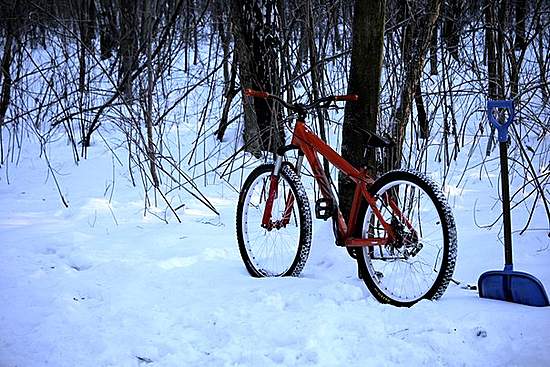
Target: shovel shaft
point(503, 147)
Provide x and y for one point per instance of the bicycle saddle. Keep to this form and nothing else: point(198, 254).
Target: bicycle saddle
point(374, 140)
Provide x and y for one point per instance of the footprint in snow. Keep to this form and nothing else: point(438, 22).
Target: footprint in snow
point(79, 263)
point(216, 222)
point(49, 251)
point(80, 267)
point(480, 332)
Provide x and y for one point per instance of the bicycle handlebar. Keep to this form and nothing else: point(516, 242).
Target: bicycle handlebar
point(300, 108)
point(347, 97)
point(256, 93)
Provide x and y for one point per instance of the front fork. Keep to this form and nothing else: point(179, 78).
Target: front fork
point(267, 222)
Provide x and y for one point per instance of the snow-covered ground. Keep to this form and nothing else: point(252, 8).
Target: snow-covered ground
point(100, 284)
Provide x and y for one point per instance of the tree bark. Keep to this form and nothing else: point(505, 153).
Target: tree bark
point(256, 35)
point(151, 148)
point(364, 80)
point(451, 28)
point(490, 50)
point(6, 76)
point(108, 28)
point(229, 94)
point(413, 57)
point(421, 113)
point(493, 48)
point(519, 43)
point(316, 77)
point(128, 46)
point(542, 61)
point(6, 85)
point(86, 22)
point(433, 52)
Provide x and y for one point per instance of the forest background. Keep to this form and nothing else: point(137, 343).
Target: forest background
point(70, 67)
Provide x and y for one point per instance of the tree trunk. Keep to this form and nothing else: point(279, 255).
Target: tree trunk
point(520, 47)
point(229, 94)
point(433, 52)
point(519, 43)
point(87, 15)
point(490, 50)
point(502, 23)
point(5, 74)
point(108, 29)
point(128, 46)
point(256, 35)
point(6, 85)
point(335, 22)
point(451, 28)
point(316, 77)
point(423, 124)
point(413, 58)
point(542, 61)
point(229, 71)
point(493, 48)
point(151, 148)
point(86, 23)
point(364, 80)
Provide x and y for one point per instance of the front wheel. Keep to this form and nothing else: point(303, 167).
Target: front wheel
point(282, 248)
point(419, 262)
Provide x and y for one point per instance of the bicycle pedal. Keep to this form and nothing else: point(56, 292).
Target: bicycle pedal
point(324, 208)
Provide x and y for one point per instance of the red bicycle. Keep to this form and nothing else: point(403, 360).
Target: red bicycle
point(400, 224)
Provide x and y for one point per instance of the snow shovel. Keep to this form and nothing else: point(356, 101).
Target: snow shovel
point(508, 285)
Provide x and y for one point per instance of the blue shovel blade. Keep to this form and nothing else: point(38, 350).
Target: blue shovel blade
point(512, 286)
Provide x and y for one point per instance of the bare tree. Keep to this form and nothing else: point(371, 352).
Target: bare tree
point(364, 80)
point(256, 34)
point(418, 34)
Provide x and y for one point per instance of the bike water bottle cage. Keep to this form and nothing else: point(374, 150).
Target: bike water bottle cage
point(324, 208)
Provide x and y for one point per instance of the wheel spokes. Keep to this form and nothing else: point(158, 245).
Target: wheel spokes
point(404, 268)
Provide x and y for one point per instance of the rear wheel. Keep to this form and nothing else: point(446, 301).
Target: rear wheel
point(283, 248)
point(420, 262)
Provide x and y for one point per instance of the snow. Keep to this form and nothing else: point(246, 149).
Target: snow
point(102, 284)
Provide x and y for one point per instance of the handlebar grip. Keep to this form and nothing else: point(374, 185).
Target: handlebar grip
point(347, 97)
point(502, 128)
point(255, 93)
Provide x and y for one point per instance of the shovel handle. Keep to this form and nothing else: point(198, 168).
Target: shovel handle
point(502, 128)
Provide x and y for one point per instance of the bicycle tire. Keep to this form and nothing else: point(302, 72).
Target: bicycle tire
point(272, 242)
point(378, 264)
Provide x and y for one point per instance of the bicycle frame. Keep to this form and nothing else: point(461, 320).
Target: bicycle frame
point(309, 144)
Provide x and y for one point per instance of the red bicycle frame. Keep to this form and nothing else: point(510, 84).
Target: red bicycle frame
point(308, 143)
